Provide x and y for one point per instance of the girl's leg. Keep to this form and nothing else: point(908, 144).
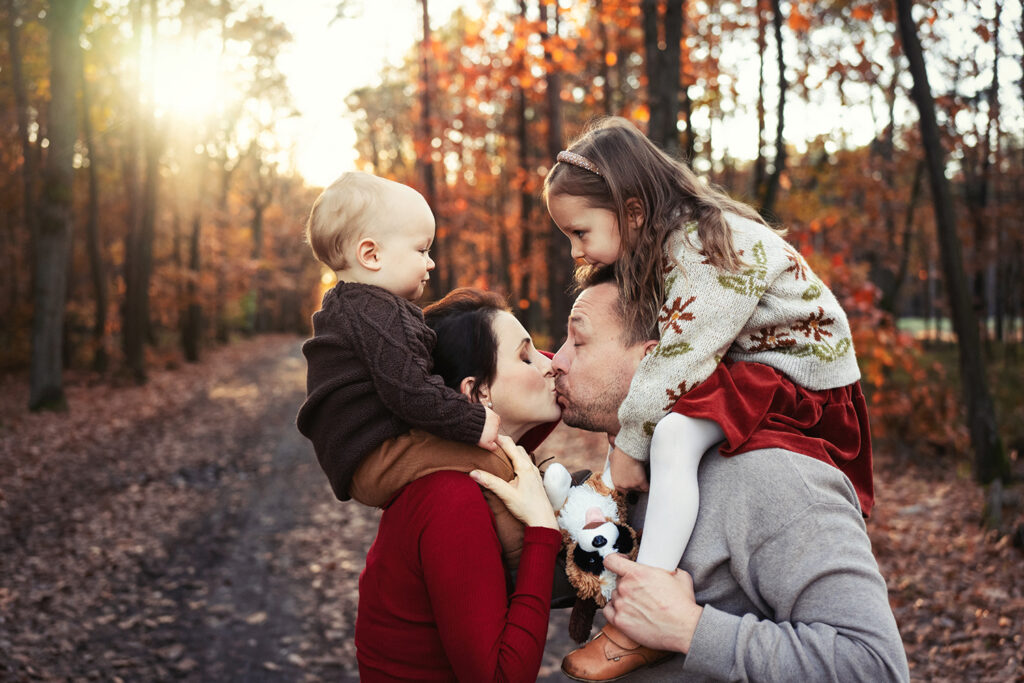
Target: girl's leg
point(677, 447)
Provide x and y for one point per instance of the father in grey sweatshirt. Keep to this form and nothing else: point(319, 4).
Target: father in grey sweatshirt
point(784, 585)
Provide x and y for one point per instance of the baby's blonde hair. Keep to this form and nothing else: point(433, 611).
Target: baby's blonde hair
point(341, 213)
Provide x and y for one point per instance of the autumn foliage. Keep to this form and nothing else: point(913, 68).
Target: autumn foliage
point(185, 232)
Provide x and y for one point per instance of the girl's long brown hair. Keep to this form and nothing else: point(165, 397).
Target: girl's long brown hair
point(638, 181)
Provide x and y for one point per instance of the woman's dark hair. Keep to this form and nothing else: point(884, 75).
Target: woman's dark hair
point(466, 345)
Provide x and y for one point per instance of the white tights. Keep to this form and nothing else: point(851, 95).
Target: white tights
point(677, 447)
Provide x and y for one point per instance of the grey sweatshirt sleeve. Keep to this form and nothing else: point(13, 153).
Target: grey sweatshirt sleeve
point(814, 571)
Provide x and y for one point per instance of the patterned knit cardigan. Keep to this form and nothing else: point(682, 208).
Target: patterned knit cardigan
point(774, 311)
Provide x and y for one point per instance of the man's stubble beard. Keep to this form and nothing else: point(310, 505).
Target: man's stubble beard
point(599, 411)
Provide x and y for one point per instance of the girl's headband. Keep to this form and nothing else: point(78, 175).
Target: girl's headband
point(578, 160)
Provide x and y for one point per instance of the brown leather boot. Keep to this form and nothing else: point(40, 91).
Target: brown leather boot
point(610, 655)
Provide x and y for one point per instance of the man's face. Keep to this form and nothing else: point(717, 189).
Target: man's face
point(594, 368)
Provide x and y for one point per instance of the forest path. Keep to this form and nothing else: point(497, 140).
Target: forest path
point(189, 534)
point(182, 530)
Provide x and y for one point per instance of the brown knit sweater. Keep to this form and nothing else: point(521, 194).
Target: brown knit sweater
point(369, 379)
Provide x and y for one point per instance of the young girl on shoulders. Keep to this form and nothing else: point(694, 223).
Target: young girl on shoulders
point(753, 347)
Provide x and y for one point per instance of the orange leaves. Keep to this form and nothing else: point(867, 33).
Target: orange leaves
point(862, 13)
point(798, 22)
point(610, 58)
point(641, 113)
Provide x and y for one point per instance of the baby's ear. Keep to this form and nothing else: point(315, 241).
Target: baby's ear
point(368, 254)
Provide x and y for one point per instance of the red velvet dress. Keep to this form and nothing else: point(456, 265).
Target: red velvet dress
point(433, 605)
point(759, 407)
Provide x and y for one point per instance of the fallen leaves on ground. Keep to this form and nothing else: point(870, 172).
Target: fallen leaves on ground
point(183, 530)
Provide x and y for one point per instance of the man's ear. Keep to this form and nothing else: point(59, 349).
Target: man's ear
point(368, 254)
point(649, 345)
point(635, 212)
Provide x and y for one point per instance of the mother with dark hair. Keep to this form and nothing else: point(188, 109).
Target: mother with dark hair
point(436, 600)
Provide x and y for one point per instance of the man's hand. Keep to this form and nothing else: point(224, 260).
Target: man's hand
point(654, 607)
point(627, 473)
point(489, 436)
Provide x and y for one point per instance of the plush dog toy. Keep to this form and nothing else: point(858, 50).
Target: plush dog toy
point(592, 518)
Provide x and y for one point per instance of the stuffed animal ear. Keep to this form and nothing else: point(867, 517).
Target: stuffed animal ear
point(587, 585)
point(627, 543)
point(557, 481)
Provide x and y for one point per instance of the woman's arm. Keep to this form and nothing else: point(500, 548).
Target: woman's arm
point(486, 635)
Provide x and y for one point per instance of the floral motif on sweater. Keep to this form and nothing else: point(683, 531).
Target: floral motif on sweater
point(774, 310)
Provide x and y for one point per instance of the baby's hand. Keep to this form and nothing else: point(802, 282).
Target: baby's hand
point(489, 437)
point(627, 473)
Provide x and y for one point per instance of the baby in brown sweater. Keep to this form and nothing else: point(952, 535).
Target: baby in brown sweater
point(369, 376)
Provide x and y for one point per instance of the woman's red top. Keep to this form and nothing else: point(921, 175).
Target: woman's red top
point(433, 605)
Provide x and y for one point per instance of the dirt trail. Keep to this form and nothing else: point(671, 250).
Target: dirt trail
point(183, 531)
point(196, 539)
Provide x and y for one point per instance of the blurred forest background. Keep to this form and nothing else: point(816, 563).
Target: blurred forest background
point(147, 216)
point(154, 282)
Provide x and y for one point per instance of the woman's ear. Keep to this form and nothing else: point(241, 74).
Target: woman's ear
point(468, 388)
point(635, 212)
point(368, 254)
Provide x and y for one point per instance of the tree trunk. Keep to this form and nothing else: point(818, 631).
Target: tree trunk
point(438, 284)
point(192, 325)
point(258, 203)
point(602, 37)
point(663, 72)
point(652, 67)
point(53, 243)
point(29, 172)
point(525, 306)
point(771, 190)
point(891, 295)
point(689, 148)
point(524, 264)
point(757, 185)
point(996, 145)
point(990, 461)
point(559, 252)
point(94, 241)
point(132, 326)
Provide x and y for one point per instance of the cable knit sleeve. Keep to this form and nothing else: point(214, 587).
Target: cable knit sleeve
point(394, 343)
point(489, 637)
point(704, 311)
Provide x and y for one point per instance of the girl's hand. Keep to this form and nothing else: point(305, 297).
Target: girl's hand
point(524, 496)
point(627, 473)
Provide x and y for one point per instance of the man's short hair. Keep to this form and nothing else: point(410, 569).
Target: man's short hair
point(340, 214)
point(589, 276)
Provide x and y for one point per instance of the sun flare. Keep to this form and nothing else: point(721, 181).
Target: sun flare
point(187, 81)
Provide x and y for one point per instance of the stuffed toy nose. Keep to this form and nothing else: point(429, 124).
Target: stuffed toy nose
point(593, 516)
point(599, 541)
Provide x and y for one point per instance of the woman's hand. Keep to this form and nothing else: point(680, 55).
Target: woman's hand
point(627, 473)
point(524, 496)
